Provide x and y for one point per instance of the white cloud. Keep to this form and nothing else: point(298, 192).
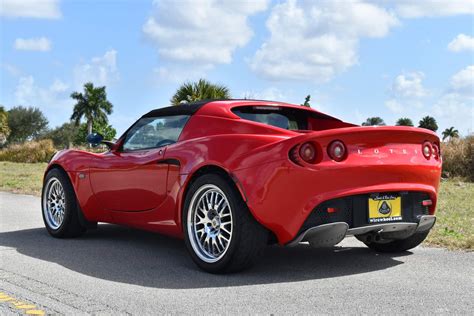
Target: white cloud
point(404, 105)
point(53, 100)
point(100, 70)
point(463, 81)
point(455, 109)
point(406, 91)
point(29, 93)
point(11, 69)
point(461, 42)
point(178, 73)
point(58, 86)
point(409, 85)
point(433, 8)
point(41, 44)
point(394, 106)
point(45, 9)
point(316, 40)
point(271, 93)
point(456, 106)
point(204, 33)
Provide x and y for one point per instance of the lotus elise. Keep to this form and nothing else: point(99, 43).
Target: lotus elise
point(232, 176)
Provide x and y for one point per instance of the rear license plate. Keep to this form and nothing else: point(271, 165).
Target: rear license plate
point(385, 207)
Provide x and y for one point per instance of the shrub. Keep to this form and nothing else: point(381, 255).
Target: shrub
point(458, 158)
point(40, 151)
point(62, 136)
point(25, 123)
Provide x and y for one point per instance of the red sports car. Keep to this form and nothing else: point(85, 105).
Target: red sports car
point(233, 176)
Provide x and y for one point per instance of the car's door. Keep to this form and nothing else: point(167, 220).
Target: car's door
point(134, 177)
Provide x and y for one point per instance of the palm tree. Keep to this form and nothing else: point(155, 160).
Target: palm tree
point(429, 122)
point(200, 90)
point(404, 121)
point(450, 133)
point(374, 121)
point(92, 105)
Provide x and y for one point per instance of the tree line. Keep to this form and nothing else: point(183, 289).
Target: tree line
point(427, 122)
point(91, 111)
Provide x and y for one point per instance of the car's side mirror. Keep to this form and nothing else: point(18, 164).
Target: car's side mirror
point(95, 139)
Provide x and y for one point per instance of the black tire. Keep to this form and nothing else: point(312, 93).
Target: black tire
point(248, 240)
point(71, 225)
point(398, 245)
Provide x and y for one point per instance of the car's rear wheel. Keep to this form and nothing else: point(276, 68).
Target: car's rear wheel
point(220, 233)
point(399, 245)
point(59, 206)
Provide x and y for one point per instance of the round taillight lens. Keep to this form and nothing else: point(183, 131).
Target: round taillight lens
point(436, 151)
point(337, 150)
point(427, 150)
point(308, 152)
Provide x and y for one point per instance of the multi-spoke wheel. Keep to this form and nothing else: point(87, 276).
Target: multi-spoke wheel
point(221, 234)
point(60, 211)
point(210, 223)
point(55, 203)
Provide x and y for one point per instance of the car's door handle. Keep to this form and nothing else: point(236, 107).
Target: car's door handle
point(170, 161)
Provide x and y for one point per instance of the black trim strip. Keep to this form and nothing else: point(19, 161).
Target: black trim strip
point(169, 161)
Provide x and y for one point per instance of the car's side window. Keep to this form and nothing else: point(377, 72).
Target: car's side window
point(153, 132)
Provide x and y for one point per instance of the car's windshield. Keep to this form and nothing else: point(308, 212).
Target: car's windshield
point(151, 132)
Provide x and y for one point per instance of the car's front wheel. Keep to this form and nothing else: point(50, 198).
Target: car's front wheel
point(220, 233)
point(59, 205)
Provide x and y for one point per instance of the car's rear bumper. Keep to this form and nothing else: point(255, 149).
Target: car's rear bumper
point(327, 235)
point(283, 197)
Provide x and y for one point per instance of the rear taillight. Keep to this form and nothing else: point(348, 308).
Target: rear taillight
point(337, 150)
point(436, 151)
point(308, 152)
point(427, 150)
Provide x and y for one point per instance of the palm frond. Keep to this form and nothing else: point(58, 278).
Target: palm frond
point(200, 90)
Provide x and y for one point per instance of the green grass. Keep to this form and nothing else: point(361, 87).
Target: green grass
point(21, 177)
point(454, 228)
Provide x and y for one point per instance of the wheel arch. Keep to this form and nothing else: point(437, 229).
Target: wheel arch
point(207, 169)
point(82, 219)
point(232, 179)
point(56, 165)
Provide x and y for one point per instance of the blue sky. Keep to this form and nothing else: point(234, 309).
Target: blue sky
point(388, 58)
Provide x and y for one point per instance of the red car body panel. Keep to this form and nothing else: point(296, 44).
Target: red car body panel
point(135, 189)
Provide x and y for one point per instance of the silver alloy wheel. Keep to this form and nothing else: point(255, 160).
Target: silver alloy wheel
point(209, 223)
point(54, 203)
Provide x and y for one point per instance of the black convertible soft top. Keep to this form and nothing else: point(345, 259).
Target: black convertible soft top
point(188, 108)
point(182, 109)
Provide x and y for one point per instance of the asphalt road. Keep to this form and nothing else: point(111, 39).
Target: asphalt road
point(117, 270)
